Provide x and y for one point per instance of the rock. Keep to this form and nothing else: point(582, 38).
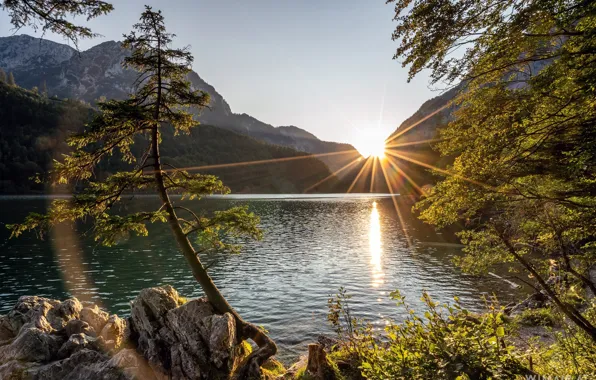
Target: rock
point(132, 364)
point(76, 326)
point(7, 329)
point(81, 365)
point(46, 314)
point(113, 332)
point(535, 301)
point(295, 368)
point(95, 317)
point(13, 370)
point(31, 345)
point(222, 335)
point(77, 342)
point(45, 339)
point(317, 364)
point(183, 342)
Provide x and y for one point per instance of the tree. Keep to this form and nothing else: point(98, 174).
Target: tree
point(2, 76)
point(35, 90)
point(162, 98)
point(10, 81)
point(44, 89)
point(524, 132)
point(53, 15)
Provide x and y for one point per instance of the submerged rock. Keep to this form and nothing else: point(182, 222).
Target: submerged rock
point(47, 339)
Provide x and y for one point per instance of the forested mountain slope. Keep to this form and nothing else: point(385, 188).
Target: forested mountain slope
point(33, 129)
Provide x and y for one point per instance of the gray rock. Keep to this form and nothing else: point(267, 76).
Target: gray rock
point(113, 332)
point(45, 314)
point(77, 342)
point(186, 342)
point(31, 345)
point(49, 340)
point(14, 370)
point(7, 329)
point(95, 317)
point(79, 366)
point(76, 326)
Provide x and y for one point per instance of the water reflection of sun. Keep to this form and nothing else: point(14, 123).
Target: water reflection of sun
point(376, 248)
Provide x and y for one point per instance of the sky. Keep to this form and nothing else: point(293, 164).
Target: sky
point(322, 65)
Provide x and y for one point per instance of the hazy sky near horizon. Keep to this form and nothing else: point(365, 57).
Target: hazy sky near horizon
point(324, 66)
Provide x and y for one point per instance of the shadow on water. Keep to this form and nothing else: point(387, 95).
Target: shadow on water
point(311, 247)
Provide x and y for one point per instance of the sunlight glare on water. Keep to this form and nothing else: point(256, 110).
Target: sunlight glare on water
point(376, 247)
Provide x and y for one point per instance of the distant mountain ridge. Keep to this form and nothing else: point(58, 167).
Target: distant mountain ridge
point(97, 71)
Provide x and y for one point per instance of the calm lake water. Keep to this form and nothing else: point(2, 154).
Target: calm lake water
point(312, 246)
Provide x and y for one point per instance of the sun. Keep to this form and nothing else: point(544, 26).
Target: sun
point(371, 147)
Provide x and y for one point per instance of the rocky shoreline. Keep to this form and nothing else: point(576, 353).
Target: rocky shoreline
point(164, 337)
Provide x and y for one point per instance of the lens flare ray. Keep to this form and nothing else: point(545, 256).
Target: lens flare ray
point(362, 170)
point(393, 198)
point(333, 174)
point(401, 132)
point(261, 162)
point(420, 163)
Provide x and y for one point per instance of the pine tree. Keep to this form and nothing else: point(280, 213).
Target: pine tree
point(44, 89)
point(10, 80)
point(2, 76)
point(162, 96)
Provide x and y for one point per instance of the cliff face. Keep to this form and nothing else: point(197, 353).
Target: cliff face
point(97, 72)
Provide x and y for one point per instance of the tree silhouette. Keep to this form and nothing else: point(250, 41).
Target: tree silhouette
point(10, 81)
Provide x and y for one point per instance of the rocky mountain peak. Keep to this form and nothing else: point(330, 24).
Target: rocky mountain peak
point(25, 51)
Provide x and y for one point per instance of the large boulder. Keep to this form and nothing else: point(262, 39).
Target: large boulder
point(183, 342)
point(31, 345)
point(113, 332)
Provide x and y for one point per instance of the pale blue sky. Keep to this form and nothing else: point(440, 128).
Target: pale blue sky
point(324, 66)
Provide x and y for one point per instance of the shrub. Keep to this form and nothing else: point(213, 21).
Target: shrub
point(537, 317)
point(447, 342)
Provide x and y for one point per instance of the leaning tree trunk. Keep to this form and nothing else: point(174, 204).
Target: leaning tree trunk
point(245, 330)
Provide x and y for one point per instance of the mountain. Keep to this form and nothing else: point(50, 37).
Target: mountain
point(96, 72)
point(412, 139)
point(33, 130)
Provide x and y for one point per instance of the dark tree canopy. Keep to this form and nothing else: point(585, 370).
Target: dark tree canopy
point(55, 15)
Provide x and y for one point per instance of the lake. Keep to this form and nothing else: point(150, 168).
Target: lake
point(311, 247)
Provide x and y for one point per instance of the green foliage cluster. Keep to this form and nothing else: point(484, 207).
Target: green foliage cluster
point(446, 341)
point(572, 354)
point(523, 181)
point(537, 317)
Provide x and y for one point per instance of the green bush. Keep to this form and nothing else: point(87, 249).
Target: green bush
point(446, 342)
point(537, 317)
